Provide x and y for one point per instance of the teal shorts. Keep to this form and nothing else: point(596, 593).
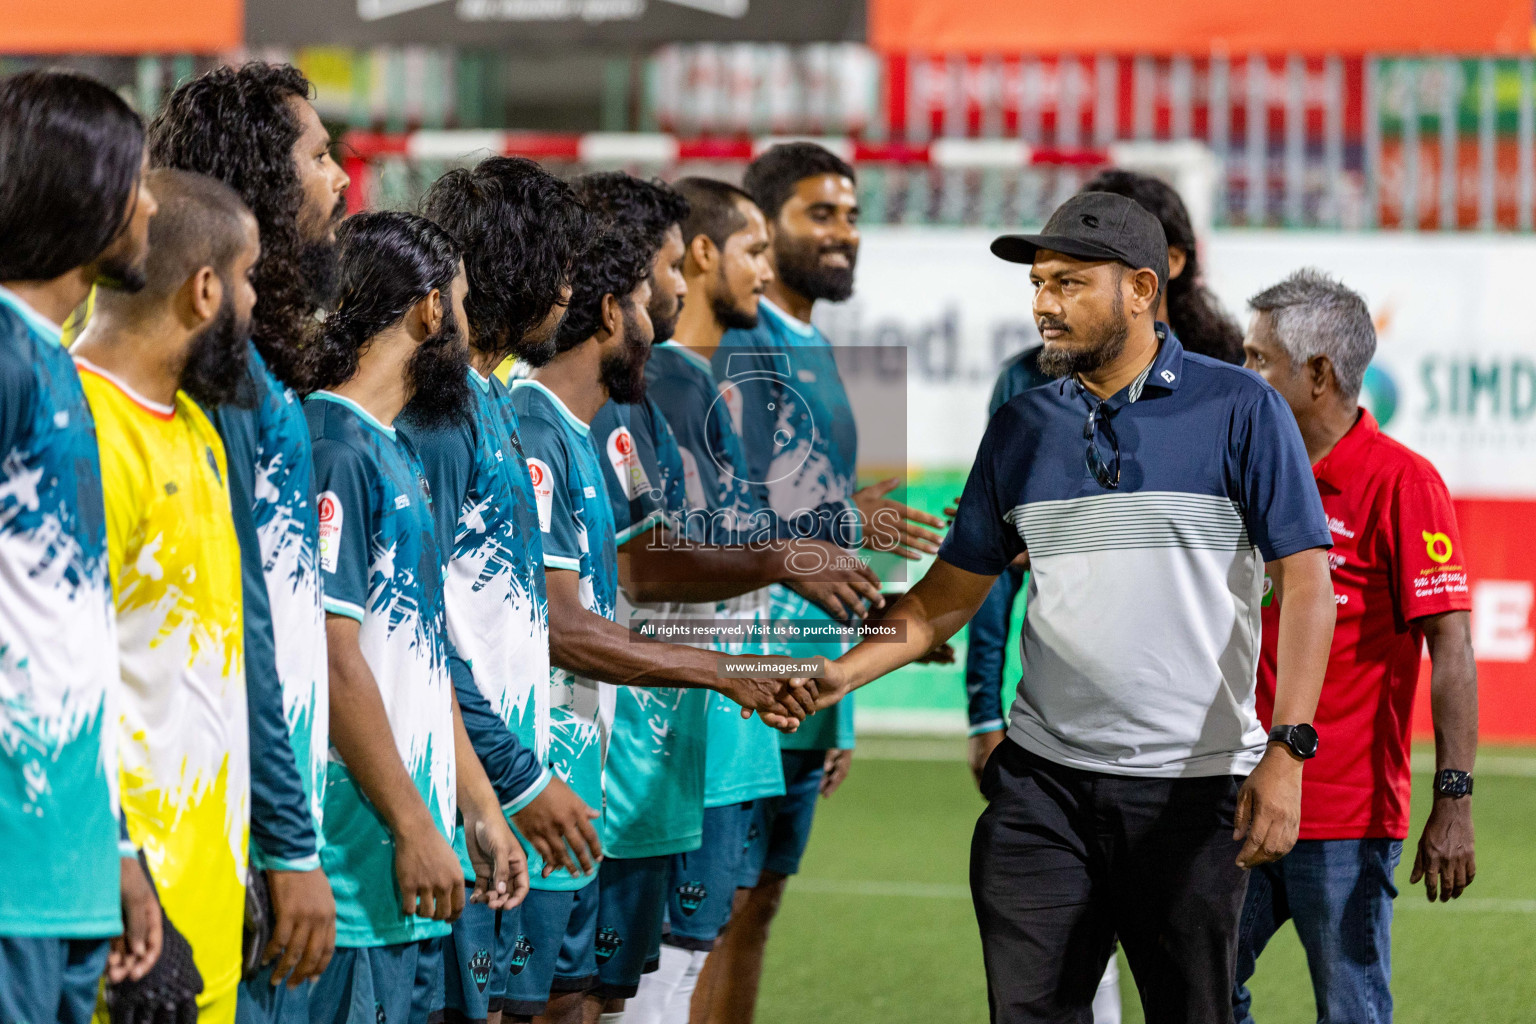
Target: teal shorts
point(629, 922)
point(396, 984)
point(43, 980)
point(549, 948)
point(474, 976)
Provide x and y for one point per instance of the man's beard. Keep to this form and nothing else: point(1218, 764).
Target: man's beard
point(537, 347)
point(320, 261)
point(1062, 362)
point(727, 313)
point(218, 359)
point(437, 374)
point(799, 266)
point(663, 324)
point(320, 269)
point(623, 372)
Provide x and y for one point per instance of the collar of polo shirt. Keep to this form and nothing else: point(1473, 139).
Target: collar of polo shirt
point(1336, 469)
point(1164, 372)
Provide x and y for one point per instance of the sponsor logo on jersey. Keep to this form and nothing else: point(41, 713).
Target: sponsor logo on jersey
point(543, 490)
point(692, 484)
point(1438, 547)
point(731, 394)
point(626, 463)
point(328, 507)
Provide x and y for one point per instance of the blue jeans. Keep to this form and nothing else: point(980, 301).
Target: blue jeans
point(1339, 892)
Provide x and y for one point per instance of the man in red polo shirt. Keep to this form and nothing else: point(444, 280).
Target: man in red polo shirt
point(1399, 580)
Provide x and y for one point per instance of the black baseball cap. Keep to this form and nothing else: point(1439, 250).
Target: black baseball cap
point(1096, 226)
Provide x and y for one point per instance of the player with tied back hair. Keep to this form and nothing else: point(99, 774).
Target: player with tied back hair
point(75, 210)
point(254, 129)
point(1400, 580)
point(404, 769)
point(147, 360)
point(521, 229)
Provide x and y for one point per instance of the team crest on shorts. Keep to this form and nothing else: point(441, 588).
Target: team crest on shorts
point(480, 968)
point(520, 954)
point(691, 896)
point(752, 834)
point(608, 943)
point(378, 1013)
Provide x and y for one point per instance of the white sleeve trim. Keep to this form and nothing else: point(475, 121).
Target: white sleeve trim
point(556, 562)
point(628, 534)
point(528, 795)
point(995, 725)
point(346, 608)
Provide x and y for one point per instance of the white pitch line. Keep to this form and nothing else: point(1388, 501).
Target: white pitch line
point(1410, 899)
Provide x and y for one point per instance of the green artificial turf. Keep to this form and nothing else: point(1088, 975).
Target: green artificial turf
point(878, 928)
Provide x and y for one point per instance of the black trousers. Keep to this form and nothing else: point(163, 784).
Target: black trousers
point(1064, 860)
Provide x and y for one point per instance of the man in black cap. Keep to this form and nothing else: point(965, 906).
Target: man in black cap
point(1151, 490)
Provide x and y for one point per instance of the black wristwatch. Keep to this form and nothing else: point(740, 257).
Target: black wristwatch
point(1449, 782)
point(1302, 739)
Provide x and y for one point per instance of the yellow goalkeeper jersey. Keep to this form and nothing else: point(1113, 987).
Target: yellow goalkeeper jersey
point(183, 743)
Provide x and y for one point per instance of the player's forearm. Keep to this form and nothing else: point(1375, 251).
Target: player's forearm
point(587, 644)
point(658, 569)
point(476, 796)
point(929, 614)
point(361, 734)
point(1304, 589)
point(1452, 690)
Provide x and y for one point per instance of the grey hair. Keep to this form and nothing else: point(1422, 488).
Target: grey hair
point(1316, 315)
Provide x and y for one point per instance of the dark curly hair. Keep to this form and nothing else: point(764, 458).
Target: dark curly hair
point(772, 177)
point(70, 155)
point(1193, 312)
point(522, 231)
point(389, 262)
point(237, 125)
point(626, 212)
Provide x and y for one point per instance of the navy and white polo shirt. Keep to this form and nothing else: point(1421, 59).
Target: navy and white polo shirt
point(1141, 638)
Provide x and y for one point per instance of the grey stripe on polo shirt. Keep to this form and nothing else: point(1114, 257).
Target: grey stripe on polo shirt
point(1142, 519)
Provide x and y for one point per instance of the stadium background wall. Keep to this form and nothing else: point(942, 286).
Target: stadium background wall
point(1454, 378)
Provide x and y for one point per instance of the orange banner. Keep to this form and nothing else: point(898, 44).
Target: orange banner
point(121, 26)
point(1198, 26)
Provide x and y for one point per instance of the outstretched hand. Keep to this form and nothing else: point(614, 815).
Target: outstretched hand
point(781, 702)
point(891, 526)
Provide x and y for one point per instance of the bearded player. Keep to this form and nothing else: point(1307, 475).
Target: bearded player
point(254, 129)
point(151, 362)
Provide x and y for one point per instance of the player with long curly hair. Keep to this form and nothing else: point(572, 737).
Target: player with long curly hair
point(254, 129)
